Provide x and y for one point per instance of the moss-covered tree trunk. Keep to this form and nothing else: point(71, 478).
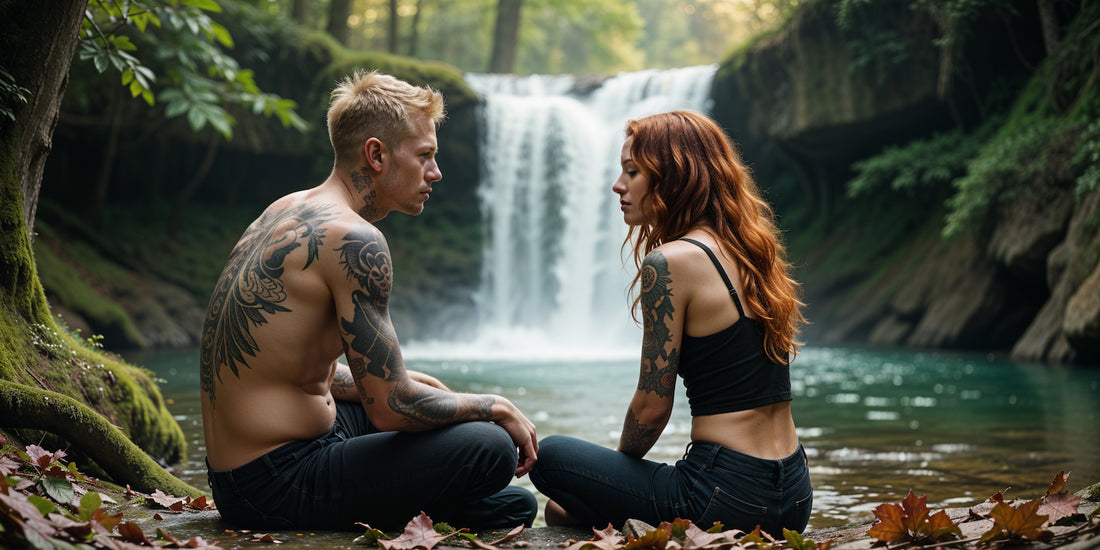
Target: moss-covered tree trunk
point(37, 41)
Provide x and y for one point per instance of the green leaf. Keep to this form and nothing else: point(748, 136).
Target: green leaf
point(122, 42)
point(102, 60)
point(196, 118)
point(89, 503)
point(174, 108)
point(59, 489)
point(221, 34)
point(208, 5)
point(45, 506)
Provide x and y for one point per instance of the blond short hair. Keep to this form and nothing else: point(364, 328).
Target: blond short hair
point(372, 104)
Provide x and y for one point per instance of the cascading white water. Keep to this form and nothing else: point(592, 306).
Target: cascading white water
point(553, 280)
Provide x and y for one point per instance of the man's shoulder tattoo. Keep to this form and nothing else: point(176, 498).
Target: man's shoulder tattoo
point(251, 289)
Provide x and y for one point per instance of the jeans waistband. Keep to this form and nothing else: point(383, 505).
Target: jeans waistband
point(710, 455)
point(272, 462)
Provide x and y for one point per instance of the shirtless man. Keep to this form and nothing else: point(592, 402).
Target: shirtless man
point(296, 439)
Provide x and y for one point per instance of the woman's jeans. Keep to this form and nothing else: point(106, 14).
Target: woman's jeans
point(710, 484)
point(458, 474)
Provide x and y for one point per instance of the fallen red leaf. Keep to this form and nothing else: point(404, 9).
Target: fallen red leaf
point(129, 531)
point(41, 457)
point(1057, 483)
point(656, 539)
point(1058, 506)
point(419, 533)
point(509, 536)
point(1022, 522)
point(910, 522)
point(758, 536)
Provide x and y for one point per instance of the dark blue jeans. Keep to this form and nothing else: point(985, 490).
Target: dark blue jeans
point(458, 474)
point(711, 483)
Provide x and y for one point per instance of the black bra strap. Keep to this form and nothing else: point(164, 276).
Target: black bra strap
point(721, 271)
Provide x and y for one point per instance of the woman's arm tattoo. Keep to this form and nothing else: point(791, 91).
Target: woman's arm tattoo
point(637, 438)
point(657, 312)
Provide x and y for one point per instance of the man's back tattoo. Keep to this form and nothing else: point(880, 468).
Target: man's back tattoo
point(251, 288)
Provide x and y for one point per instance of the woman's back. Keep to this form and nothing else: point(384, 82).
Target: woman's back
point(739, 398)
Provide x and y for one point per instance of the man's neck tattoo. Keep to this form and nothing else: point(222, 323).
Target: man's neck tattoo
point(363, 182)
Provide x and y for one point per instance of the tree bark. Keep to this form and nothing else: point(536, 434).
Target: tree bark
point(505, 36)
point(338, 12)
point(299, 11)
point(393, 35)
point(38, 40)
point(1048, 19)
point(414, 30)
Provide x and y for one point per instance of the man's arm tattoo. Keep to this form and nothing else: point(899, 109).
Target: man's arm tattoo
point(433, 407)
point(637, 438)
point(251, 289)
point(657, 311)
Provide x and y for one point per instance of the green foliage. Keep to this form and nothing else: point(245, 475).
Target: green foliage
point(1087, 160)
point(919, 167)
point(198, 78)
point(10, 94)
point(1021, 154)
point(886, 48)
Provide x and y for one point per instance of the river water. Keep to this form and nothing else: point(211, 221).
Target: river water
point(875, 423)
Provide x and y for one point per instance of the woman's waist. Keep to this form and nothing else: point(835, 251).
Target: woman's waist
point(766, 433)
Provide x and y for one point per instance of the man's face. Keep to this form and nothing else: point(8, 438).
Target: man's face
point(407, 180)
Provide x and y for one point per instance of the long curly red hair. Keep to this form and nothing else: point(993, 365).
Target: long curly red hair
point(697, 180)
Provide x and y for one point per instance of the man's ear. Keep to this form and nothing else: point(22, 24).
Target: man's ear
point(375, 152)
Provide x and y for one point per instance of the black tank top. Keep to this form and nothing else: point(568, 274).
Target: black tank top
point(728, 371)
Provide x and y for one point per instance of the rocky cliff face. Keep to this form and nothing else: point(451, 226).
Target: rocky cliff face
point(809, 101)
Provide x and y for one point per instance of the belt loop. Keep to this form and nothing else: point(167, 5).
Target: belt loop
point(271, 469)
point(712, 454)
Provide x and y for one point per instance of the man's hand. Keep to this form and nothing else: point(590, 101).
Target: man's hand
point(523, 435)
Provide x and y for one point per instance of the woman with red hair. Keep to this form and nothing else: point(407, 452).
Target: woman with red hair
point(719, 310)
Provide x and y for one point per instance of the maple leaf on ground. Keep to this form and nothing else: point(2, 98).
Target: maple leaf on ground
point(129, 531)
point(41, 457)
point(758, 536)
point(1058, 506)
point(999, 496)
point(1058, 483)
point(910, 522)
point(492, 545)
point(607, 539)
point(1057, 503)
point(200, 503)
point(1022, 522)
point(654, 539)
point(419, 533)
point(695, 537)
point(8, 466)
point(677, 529)
point(796, 541)
point(371, 537)
point(170, 502)
point(509, 536)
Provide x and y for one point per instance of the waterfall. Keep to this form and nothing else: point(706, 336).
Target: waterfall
point(554, 282)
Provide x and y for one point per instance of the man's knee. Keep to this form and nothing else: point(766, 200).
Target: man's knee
point(487, 444)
